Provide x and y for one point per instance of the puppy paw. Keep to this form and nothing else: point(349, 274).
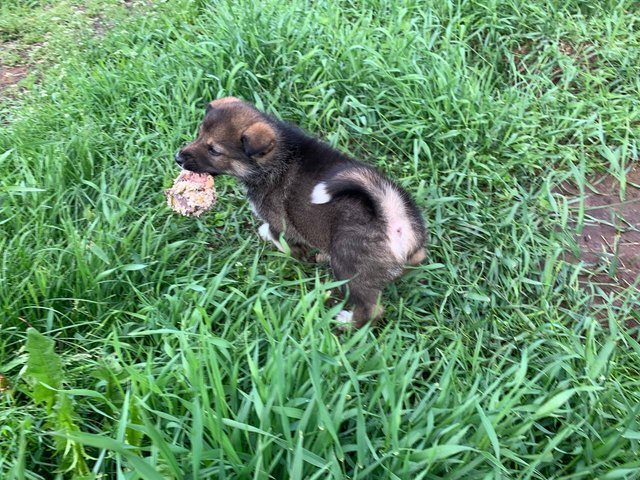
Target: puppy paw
point(344, 317)
point(322, 257)
point(265, 232)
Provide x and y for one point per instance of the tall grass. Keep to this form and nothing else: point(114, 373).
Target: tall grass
point(188, 349)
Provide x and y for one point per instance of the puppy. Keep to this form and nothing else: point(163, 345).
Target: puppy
point(314, 196)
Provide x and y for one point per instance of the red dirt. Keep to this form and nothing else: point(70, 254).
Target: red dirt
point(609, 243)
point(12, 75)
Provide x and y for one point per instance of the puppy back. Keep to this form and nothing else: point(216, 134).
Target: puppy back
point(404, 224)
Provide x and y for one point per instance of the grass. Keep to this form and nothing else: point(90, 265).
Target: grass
point(39, 34)
point(138, 344)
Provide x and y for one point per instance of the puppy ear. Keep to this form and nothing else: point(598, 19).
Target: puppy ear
point(221, 102)
point(258, 140)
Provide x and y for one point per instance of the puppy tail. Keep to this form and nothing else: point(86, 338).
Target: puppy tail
point(405, 229)
point(360, 182)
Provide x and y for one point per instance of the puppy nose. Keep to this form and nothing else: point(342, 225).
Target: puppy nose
point(179, 158)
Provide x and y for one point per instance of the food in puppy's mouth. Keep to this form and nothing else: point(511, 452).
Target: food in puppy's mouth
point(192, 194)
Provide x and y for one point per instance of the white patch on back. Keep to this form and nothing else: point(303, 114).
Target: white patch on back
point(265, 234)
point(400, 232)
point(320, 194)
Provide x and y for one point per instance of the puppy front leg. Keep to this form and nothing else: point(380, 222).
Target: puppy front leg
point(297, 250)
point(267, 235)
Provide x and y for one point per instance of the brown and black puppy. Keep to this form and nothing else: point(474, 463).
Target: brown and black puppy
point(314, 196)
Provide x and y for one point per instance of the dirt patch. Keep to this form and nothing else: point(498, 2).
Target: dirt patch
point(526, 56)
point(100, 26)
point(19, 59)
point(609, 243)
point(12, 75)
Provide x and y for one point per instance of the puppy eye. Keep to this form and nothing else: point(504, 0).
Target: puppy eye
point(213, 152)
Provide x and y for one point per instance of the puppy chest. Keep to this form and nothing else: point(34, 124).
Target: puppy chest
point(268, 211)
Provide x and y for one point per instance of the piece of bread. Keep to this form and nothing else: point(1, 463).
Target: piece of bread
point(192, 194)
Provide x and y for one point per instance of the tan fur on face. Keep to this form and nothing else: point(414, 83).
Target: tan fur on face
point(236, 130)
point(247, 121)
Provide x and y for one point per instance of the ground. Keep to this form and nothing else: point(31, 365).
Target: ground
point(34, 35)
point(11, 75)
point(608, 221)
point(140, 344)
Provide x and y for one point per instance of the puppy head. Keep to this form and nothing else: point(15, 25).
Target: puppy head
point(234, 139)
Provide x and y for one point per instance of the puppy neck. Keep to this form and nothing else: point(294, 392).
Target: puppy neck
point(267, 176)
point(272, 173)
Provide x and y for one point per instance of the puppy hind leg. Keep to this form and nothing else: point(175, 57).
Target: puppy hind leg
point(299, 251)
point(366, 309)
point(366, 306)
point(363, 292)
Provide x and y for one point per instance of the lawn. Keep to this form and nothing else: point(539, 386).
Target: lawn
point(135, 343)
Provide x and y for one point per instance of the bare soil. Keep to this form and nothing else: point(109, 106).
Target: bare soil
point(609, 243)
point(583, 55)
point(11, 75)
